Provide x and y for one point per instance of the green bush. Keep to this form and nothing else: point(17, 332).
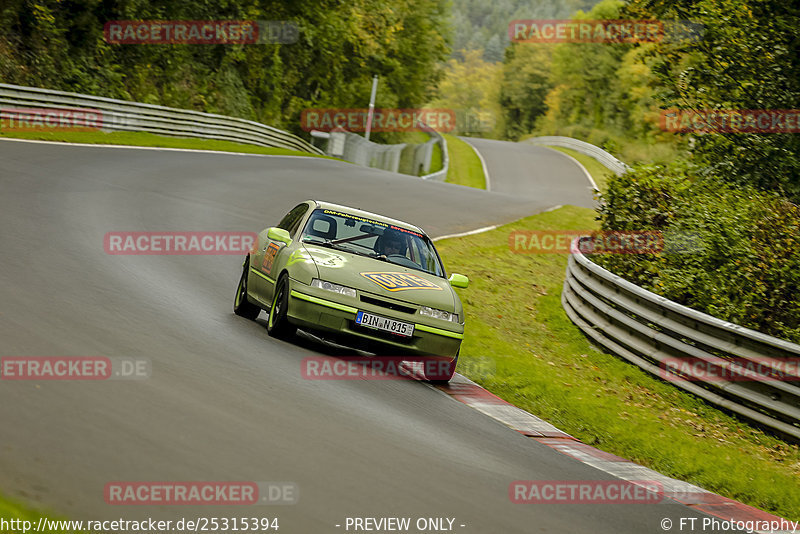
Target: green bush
point(738, 253)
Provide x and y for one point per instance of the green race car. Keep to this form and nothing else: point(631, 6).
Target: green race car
point(356, 278)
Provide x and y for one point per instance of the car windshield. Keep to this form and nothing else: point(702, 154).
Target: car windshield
point(372, 238)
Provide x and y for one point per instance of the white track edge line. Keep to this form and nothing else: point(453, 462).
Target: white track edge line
point(488, 228)
point(578, 163)
point(163, 149)
point(625, 470)
point(464, 234)
point(483, 165)
point(674, 489)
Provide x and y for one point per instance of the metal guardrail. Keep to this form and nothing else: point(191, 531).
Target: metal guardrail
point(121, 115)
point(649, 331)
point(605, 159)
point(354, 148)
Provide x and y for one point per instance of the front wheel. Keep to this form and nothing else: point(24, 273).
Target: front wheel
point(441, 372)
point(241, 306)
point(279, 325)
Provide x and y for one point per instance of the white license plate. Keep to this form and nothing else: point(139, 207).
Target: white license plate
point(384, 323)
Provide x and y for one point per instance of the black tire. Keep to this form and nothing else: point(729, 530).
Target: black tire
point(441, 376)
point(241, 306)
point(278, 324)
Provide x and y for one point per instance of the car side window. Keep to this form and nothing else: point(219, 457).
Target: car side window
point(292, 219)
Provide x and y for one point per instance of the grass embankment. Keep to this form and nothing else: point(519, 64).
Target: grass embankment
point(465, 165)
point(545, 365)
point(599, 172)
point(437, 164)
point(407, 156)
point(149, 140)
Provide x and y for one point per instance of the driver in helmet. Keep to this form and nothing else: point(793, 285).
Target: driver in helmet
point(393, 244)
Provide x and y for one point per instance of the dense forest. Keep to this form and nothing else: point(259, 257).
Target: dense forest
point(483, 26)
point(748, 58)
point(60, 44)
point(736, 193)
point(613, 94)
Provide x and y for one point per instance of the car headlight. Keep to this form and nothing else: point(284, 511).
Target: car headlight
point(336, 288)
point(439, 314)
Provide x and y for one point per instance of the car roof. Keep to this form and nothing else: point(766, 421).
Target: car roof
point(367, 214)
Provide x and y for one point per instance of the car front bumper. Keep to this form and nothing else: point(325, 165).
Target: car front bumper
point(313, 309)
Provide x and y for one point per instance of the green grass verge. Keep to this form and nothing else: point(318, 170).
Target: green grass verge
point(465, 166)
point(151, 140)
point(599, 173)
point(10, 509)
point(545, 365)
point(437, 164)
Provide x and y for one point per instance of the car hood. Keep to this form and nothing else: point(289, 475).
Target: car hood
point(382, 278)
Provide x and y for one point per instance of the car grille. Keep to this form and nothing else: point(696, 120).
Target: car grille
point(386, 304)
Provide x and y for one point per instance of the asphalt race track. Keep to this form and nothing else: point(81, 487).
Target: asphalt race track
point(225, 401)
point(534, 171)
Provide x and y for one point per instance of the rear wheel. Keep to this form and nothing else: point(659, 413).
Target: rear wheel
point(241, 306)
point(440, 372)
point(279, 325)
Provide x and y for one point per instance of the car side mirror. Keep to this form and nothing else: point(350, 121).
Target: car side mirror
point(279, 234)
point(458, 280)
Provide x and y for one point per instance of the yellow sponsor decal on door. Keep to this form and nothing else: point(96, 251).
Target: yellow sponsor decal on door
point(400, 281)
point(269, 257)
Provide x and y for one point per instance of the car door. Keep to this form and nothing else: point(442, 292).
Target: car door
point(266, 258)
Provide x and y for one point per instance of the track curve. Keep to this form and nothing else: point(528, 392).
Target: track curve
point(225, 401)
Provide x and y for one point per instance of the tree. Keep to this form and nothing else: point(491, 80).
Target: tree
point(748, 58)
point(469, 88)
point(524, 87)
point(494, 50)
point(59, 44)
